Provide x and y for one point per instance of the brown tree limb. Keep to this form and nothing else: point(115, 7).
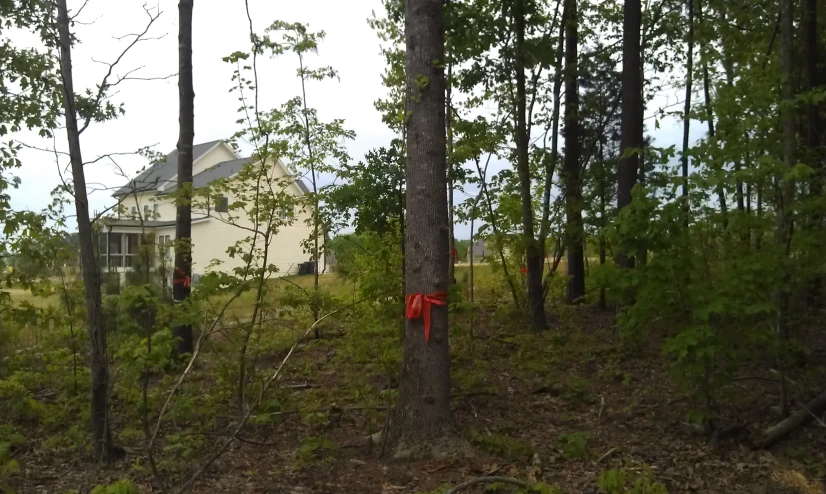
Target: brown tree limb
point(784, 428)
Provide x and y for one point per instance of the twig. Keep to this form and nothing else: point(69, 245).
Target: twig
point(302, 386)
point(658, 405)
point(606, 455)
point(488, 480)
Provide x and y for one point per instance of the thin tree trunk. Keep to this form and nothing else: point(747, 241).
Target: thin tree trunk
point(602, 220)
point(551, 166)
point(728, 65)
point(316, 205)
point(451, 270)
point(423, 405)
point(631, 119)
point(495, 229)
point(533, 254)
point(783, 220)
point(721, 192)
point(687, 110)
point(186, 136)
point(758, 237)
point(101, 432)
point(574, 228)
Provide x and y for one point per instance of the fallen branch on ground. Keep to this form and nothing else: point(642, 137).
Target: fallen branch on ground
point(302, 386)
point(488, 480)
point(781, 430)
point(606, 455)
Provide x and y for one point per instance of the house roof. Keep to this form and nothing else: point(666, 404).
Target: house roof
point(157, 174)
point(224, 169)
point(161, 173)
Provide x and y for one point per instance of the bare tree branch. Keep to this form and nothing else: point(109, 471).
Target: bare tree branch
point(104, 86)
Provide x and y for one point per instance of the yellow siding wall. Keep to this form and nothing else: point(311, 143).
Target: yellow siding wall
point(212, 237)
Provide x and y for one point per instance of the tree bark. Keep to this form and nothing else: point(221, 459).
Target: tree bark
point(631, 120)
point(687, 110)
point(813, 129)
point(423, 406)
point(783, 220)
point(186, 136)
point(533, 251)
point(101, 432)
point(574, 228)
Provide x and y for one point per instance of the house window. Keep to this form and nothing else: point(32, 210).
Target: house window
point(134, 212)
point(123, 249)
point(155, 210)
point(221, 204)
point(164, 246)
point(146, 211)
point(115, 251)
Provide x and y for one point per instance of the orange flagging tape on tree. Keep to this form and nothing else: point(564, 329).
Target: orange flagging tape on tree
point(182, 279)
point(418, 305)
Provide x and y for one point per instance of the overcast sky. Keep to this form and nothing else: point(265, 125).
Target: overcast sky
point(220, 27)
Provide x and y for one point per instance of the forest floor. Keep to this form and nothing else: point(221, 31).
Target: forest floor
point(560, 407)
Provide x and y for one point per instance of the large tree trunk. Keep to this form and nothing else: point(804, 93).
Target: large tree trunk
point(574, 228)
point(533, 251)
point(631, 119)
point(783, 220)
point(687, 110)
point(183, 220)
point(101, 432)
point(423, 406)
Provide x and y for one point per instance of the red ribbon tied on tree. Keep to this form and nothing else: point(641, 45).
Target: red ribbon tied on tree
point(418, 305)
point(182, 279)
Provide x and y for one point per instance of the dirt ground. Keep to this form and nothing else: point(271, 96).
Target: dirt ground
point(526, 402)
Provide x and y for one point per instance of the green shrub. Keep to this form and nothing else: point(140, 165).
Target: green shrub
point(574, 446)
point(119, 487)
point(617, 481)
point(502, 445)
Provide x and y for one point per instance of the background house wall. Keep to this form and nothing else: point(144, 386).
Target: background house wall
point(211, 237)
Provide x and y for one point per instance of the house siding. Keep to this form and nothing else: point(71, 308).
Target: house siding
point(211, 237)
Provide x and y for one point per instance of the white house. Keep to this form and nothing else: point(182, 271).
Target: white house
point(148, 207)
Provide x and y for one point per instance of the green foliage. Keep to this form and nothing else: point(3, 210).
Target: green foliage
point(315, 451)
point(574, 446)
point(118, 487)
point(502, 445)
point(577, 390)
point(617, 481)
